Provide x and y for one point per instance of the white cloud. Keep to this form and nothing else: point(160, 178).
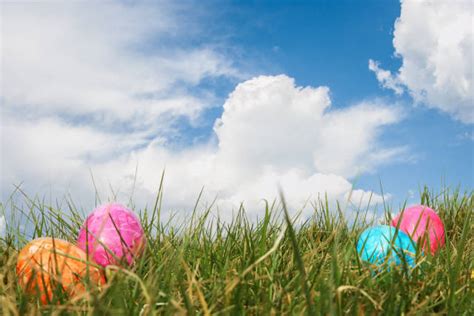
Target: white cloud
point(434, 39)
point(269, 121)
point(386, 78)
point(80, 93)
point(271, 133)
point(71, 60)
point(82, 84)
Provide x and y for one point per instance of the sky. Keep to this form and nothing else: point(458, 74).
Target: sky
point(357, 101)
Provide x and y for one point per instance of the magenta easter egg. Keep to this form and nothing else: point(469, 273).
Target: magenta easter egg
point(416, 221)
point(112, 234)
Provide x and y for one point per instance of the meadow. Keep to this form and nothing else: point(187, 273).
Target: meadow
point(276, 265)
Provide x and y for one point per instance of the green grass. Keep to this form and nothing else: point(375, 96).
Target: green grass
point(272, 266)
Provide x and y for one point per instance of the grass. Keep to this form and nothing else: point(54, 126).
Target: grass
point(272, 266)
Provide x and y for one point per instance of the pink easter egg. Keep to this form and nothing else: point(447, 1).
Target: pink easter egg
point(112, 234)
point(416, 221)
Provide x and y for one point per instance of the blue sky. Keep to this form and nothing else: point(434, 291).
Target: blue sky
point(329, 43)
point(237, 97)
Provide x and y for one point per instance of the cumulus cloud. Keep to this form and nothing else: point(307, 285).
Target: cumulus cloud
point(272, 133)
point(434, 39)
point(85, 97)
point(268, 121)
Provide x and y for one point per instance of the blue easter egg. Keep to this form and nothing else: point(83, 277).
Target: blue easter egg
point(377, 245)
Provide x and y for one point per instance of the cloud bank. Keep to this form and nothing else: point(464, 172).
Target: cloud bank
point(81, 96)
point(434, 39)
point(272, 132)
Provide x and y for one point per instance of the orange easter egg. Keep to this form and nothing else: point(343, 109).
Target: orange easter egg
point(45, 264)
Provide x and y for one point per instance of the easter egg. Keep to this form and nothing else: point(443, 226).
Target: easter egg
point(45, 265)
point(422, 222)
point(377, 245)
point(112, 234)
